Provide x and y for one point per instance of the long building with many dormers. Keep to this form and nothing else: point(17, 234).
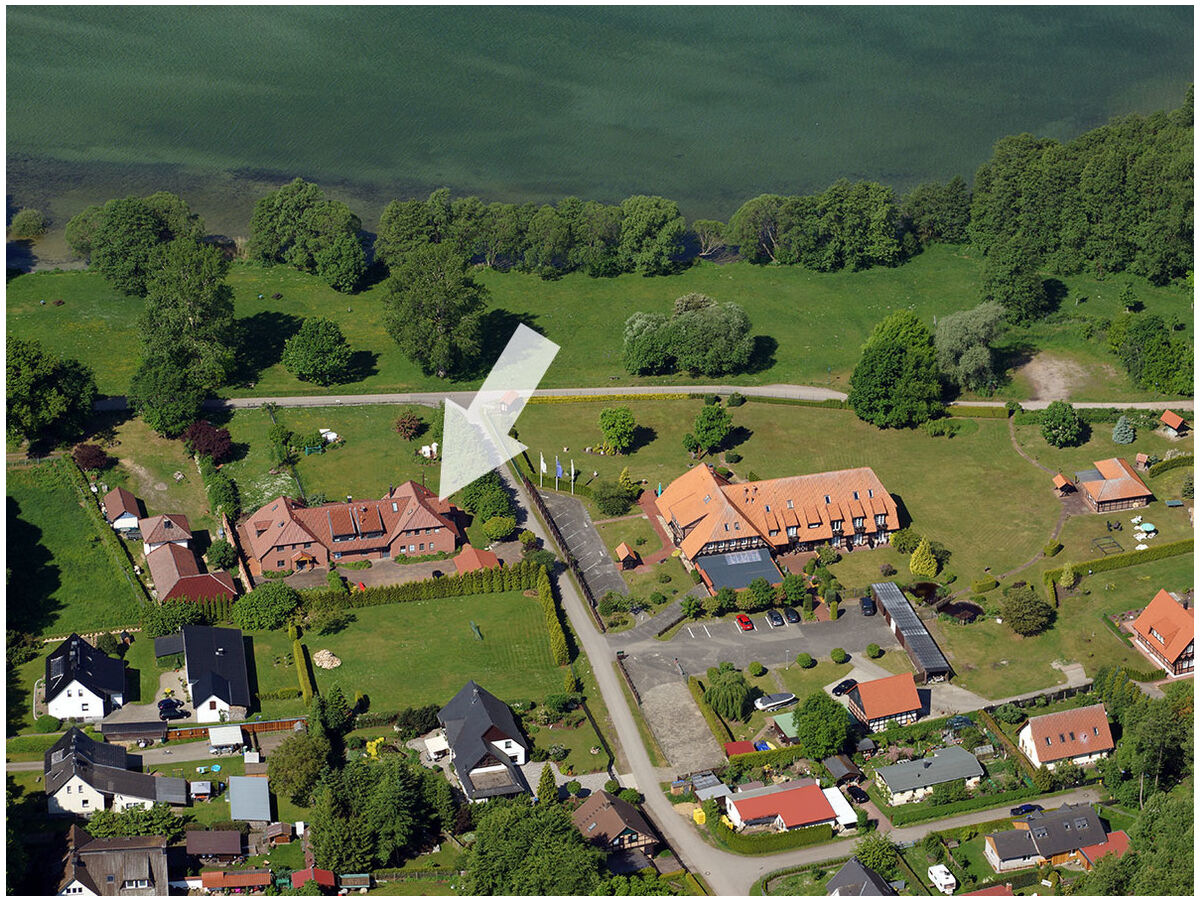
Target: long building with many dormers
point(729, 531)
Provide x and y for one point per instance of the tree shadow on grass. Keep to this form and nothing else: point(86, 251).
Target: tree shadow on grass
point(363, 364)
point(737, 436)
point(252, 671)
point(763, 355)
point(31, 605)
point(495, 329)
point(262, 338)
point(1056, 293)
point(643, 436)
point(17, 700)
point(1011, 356)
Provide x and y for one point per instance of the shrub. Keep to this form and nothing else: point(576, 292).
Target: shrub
point(712, 400)
point(27, 224)
point(529, 541)
point(1188, 490)
point(733, 457)
point(1123, 432)
point(47, 725)
point(1061, 426)
point(221, 554)
point(91, 457)
point(205, 439)
point(1052, 549)
point(498, 528)
point(723, 472)
point(827, 555)
point(108, 644)
point(408, 425)
point(756, 669)
point(664, 578)
point(805, 661)
point(629, 795)
point(266, 608)
point(983, 585)
point(905, 541)
point(874, 651)
point(887, 570)
point(839, 656)
point(611, 499)
point(355, 742)
point(573, 788)
point(735, 399)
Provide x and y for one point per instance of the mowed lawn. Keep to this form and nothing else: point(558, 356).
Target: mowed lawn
point(412, 654)
point(993, 661)
point(61, 577)
point(811, 324)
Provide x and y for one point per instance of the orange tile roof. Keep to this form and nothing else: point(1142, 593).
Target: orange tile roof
point(710, 509)
point(1118, 843)
point(1172, 419)
point(1060, 480)
point(226, 879)
point(471, 560)
point(889, 696)
point(1072, 732)
point(624, 551)
point(1175, 625)
point(1119, 482)
point(805, 805)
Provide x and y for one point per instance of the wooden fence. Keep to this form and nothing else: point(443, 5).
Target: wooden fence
point(253, 727)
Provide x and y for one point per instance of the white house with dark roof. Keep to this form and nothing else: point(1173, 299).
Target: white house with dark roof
point(486, 745)
point(915, 779)
point(82, 776)
point(82, 682)
point(158, 531)
point(214, 662)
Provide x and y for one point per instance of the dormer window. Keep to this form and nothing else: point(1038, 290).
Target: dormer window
point(789, 504)
point(870, 492)
point(826, 499)
point(856, 495)
point(768, 507)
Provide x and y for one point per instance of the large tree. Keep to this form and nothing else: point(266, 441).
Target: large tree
point(652, 232)
point(266, 608)
point(318, 352)
point(822, 725)
point(939, 212)
point(727, 691)
point(648, 345)
point(963, 344)
point(188, 318)
point(711, 427)
point(48, 397)
point(710, 338)
point(1010, 278)
point(296, 765)
point(297, 225)
point(165, 396)
point(523, 850)
point(618, 427)
point(895, 384)
point(1061, 425)
point(432, 308)
point(1025, 612)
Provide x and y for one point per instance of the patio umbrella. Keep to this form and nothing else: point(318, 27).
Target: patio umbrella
point(1147, 526)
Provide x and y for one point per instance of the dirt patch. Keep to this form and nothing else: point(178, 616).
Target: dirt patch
point(1051, 377)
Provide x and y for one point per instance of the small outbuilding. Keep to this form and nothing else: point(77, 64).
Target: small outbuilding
point(121, 510)
point(842, 769)
point(249, 799)
point(1173, 423)
point(323, 877)
point(1063, 485)
point(733, 748)
point(472, 560)
point(626, 556)
point(222, 846)
point(279, 833)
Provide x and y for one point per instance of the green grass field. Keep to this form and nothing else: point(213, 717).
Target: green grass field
point(816, 322)
point(62, 579)
point(411, 654)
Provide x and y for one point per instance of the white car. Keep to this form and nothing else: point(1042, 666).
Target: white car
point(774, 701)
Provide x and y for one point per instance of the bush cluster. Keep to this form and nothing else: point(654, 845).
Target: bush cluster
point(716, 724)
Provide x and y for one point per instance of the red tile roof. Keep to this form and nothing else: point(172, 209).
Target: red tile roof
point(890, 696)
point(208, 586)
point(1119, 482)
point(1072, 732)
point(322, 877)
point(1118, 843)
point(1172, 420)
point(735, 747)
point(805, 805)
point(471, 560)
point(168, 564)
point(1174, 625)
point(158, 529)
point(222, 879)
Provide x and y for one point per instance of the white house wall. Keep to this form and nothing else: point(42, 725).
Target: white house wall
point(77, 797)
point(206, 716)
point(512, 750)
point(71, 707)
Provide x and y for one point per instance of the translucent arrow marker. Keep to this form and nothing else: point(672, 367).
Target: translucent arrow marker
point(475, 440)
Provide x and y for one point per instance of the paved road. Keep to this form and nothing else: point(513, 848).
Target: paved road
point(189, 752)
point(432, 398)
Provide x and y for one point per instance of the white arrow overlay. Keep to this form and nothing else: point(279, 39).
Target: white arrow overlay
point(475, 440)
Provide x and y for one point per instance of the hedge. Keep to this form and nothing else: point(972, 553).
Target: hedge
point(1174, 462)
point(300, 655)
point(978, 412)
point(716, 724)
point(994, 727)
point(1124, 637)
point(404, 559)
point(983, 585)
point(1120, 561)
point(1105, 415)
point(1052, 549)
point(759, 844)
point(1021, 879)
point(605, 398)
point(554, 627)
point(280, 694)
point(787, 401)
point(778, 757)
point(909, 813)
point(521, 576)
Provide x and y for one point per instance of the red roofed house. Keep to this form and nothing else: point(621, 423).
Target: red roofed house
point(1173, 423)
point(121, 509)
point(1081, 736)
point(472, 560)
point(409, 520)
point(323, 877)
point(732, 748)
point(245, 879)
point(1117, 842)
point(1112, 485)
point(782, 807)
point(160, 530)
point(1166, 632)
point(895, 698)
point(177, 576)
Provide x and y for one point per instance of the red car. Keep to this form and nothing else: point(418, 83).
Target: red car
point(744, 622)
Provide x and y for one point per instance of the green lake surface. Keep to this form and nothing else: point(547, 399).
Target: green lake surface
point(706, 105)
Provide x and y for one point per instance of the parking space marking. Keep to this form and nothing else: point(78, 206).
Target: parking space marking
point(690, 631)
point(706, 631)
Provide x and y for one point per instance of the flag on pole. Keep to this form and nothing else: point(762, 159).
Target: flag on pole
point(557, 471)
point(542, 456)
point(572, 476)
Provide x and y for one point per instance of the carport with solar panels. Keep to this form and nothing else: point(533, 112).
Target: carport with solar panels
point(910, 631)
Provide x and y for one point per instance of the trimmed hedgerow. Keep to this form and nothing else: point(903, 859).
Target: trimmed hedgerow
point(1120, 561)
point(300, 655)
point(1175, 462)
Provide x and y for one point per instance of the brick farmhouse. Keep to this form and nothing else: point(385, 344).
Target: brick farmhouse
point(1166, 632)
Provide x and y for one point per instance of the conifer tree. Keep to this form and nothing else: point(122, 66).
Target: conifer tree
point(547, 789)
point(923, 564)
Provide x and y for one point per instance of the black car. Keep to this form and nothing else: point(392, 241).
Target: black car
point(857, 794)
point(1025, 809)
point(791, 615)
point(774, 618)
point(166, 715)
point(844, 686)
point(867, 605)
point(169, 703)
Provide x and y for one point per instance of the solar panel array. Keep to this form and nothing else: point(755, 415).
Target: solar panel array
point(916, 638)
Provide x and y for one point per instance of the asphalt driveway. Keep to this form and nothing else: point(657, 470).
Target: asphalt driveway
point(585, 544)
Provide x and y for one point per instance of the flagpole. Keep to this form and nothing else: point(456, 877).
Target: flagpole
point(557, 469)
point(541, 469)
point(572, 477)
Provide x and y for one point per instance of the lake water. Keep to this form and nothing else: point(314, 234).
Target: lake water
point(708, 106)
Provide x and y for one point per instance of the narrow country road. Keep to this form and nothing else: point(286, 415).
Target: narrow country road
point(726, 873)
point(432, 398)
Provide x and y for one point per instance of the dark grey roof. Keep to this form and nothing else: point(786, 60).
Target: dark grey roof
point(77, 660)
point(216, 664)
point(168, 644)
point(469, 715)
point(1065, 829)
point(856, 880)
point(103, 865)
point(945, 765)
point(214, 843)
point(917, 640)
point(1089, 475)
point(1013, 844)
point(865, 744)
point(841, 766)
point(737, 569)
point(97, 753)
point(249, 799)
